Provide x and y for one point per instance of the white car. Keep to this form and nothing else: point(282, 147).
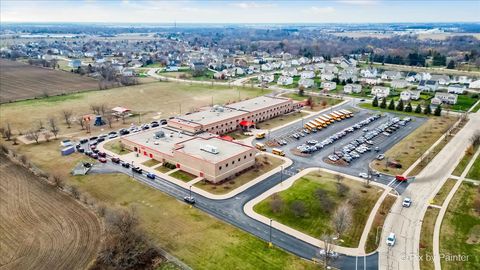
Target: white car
point(363, 175)
point(391, 239)
point(407, 202)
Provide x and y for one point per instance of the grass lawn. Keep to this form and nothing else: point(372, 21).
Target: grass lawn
point(116, 147)
point(184, 232)
point(420, 166)
point(151, 163)
point(464, 102)
point(426, 237)
point(281, 120)
point(474, 172)
point(443, 192)
point(151, 100)
point(464, 161)
point(461, 228)
point(237, 135)
point(265, 163)
point(320, 102)
point(376, 230)
point(410, 148)
point(183, 175)
point(318, 196)
point(163, 169)
point(476, 108)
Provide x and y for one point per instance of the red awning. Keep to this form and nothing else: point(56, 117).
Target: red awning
point(226, 138)
point(245, 123)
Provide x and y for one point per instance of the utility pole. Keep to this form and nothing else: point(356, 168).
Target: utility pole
point(270, 241)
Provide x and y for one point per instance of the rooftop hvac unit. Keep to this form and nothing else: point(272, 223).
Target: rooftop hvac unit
point(210, 149)
point(159, 134)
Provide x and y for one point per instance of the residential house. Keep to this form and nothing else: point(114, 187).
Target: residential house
point(267, 67)
point(391, 75)
point(171, 68)
point(456, 88)
point(352, 88)
point(425, 76)
point(327, 76)
point(369, 73)
point(441, 79)
point(410, 95)
point(413, 77)
point(447, 98)
point(292, 71)
point(399, 83)
point(129, 72)
point(461, 80)
point(307, 74)
point(284, 80)
point(428, 85)
point(381, 91)
point(330, 68)
point(329, 86)
point(239, 71)
point(474, 84)
point(371, 81)
point(348, 63)
point(307, 83)
point(318, 59)
point(198, 66)
point(266, 78)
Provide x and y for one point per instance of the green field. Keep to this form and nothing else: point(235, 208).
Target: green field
point(464, 161)
point(464, 102)
point(375, 233)
point(196, 238)
point(443, 192)
point(460, 231)
point(183, 175)
point(315, 191)
point(116, 147)
point(426, 237)
point(151, 163)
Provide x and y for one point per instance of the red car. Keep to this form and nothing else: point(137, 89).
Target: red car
point(102, 160)
point(401, 178)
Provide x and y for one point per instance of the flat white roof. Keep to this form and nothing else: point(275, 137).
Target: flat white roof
point(225, 149)
point(163, 145)
point(212, 115)
point(254, 104)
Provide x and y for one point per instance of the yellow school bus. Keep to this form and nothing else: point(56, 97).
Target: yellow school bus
point(335, 116)
point(310, 126)
point(260, 146)
point(324, 119)
point(347, 112)
point(278, 152)
point(342, 115)
point(329, 118)
point(320, 122)
point(260, 135)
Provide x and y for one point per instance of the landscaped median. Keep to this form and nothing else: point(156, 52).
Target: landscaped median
point(318, 202)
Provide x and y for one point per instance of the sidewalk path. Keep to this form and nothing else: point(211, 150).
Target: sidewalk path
point(443, 210)
point(358, 251)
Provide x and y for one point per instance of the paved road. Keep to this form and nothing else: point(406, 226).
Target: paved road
point(406, 223)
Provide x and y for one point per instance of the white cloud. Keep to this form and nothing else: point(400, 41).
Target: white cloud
point(252, 5)
point(321, 10)
point(359, 2)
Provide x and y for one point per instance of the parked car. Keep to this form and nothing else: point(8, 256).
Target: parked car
point(115, 160)
point(137, 169)
point(102, 160)
point(391, 239)
point(93, 155)
point(102, 154)
point(364, 175)
point(93, 138)
point(407, 202)
point(380, 156)
point(189, 199)
point(82, 141)
point(151, 175)
point(125, 164)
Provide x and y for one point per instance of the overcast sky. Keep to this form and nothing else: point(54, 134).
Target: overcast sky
point(138, 11)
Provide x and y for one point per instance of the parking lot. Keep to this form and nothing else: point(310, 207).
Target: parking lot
point(319, 158)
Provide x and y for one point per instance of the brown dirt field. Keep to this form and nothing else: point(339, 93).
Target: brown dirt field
point(40, 227)
point(22, 81)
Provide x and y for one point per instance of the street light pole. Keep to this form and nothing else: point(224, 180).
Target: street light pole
point(133, 176)
point(270, 241)
point(190, 191)
point(281, 174)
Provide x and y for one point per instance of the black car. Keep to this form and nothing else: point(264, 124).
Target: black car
point(96, 151)
point(154, 125)
point(87, 165)
point(115, 160)
point(126, 165)
point(163, 122)
point(101, 154)
point(123, 132)
point(93, 138)
point(99, 140)
point(137, 169)
point(81, 150)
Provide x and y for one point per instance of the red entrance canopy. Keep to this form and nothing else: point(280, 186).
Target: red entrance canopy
point(226, 138)
point(245, 123)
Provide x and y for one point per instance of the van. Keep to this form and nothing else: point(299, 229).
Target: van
point(278, 152)
point(260, 146)
point(260, 135)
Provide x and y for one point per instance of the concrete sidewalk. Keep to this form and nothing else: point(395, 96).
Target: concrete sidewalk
point(443, 210)
point(358, 251)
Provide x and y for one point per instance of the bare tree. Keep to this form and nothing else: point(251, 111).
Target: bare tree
point(109, 118)
point(475, 139)
point(53, 126)
point(102, 108)
point(33, 134)
point(342, 218)
point(95, 108)
point(327, 254)
point(15, 140)
point(75, 192)
point(276, 204)
point(339, 177)
point(57, 180)
point(47, 136)
point(81, 122)
point(67, 115)
point(298, 208)
point(7, 132)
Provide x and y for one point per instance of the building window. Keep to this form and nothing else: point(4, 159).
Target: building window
point(233, 162)
point(238, 159)
point(244, 157)
point(250, 154)
point(220, 168)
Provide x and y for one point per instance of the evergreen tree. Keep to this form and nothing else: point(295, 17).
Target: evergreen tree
point(391, 106)
point(408, 108)
point(383, 105)
point(400, 105)
point(438, 110)
point(375, 102)
point(427, 110)
point(451, 64)
point(418, 109)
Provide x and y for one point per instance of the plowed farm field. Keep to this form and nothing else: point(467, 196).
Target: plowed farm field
point(40, 227)
point(21, 81)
